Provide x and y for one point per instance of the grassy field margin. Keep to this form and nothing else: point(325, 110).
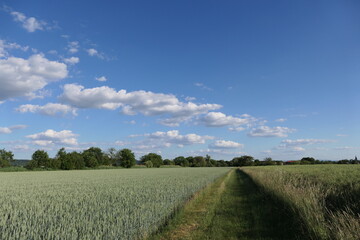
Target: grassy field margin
point(325, 199)
point(231, 208)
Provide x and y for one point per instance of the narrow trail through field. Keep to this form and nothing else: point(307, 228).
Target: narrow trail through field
point(231, 208)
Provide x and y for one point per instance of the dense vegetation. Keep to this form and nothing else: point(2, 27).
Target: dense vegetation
point(103, 204)
point(95, 157)
point(325, 198)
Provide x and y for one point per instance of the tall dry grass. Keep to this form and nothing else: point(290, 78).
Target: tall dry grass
point(325, 198)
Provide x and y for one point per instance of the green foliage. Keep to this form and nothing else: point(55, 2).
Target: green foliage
point(168, 162)
point(127, 158)
point(307, 160)
point(149, 164)
point(199, 161)
point(6, 157)
point(90, 154)
point(154, 158)
point(39, 159)
point(242, 161)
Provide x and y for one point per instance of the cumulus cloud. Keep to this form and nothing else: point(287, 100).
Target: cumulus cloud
point(174, 137)
point(131, 103)
point(265, 131)
point(22, 77)
point(156, 141)
point(72, 60)
point(51, 137)
point(225, 144)
point(8, 130)
point(31, 24)
point(218, 119)
point(50, 109)
point(101, 79)
point(280, 120)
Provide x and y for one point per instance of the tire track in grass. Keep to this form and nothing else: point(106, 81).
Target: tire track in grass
point(232, 208)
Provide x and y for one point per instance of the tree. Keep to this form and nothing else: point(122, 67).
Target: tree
point(269, 161)
point(6, 157)
point(179, 160)
point(41, 158)
point(96, 153)
point(90, 160)
point(199, 161)
point(73, 160)
point(127, 158)
point(168, 162)
point(154, 158)
point(112, 154)
point(244, 160)
point(149, 164)
point(307, 160)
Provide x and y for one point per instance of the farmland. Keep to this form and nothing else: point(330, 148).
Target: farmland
point(97, 204)
point(325, 198)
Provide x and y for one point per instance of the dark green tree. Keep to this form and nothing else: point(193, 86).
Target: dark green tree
point(199, 161)
point(244, 160)
point(179, 160)
point(6, 157)
point(168, 162)
point(307, 160)
point(154, 158)
point(41, 158)
point(96, 153)
point(127, 158)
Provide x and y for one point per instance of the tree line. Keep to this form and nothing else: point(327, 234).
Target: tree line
point(94, 157)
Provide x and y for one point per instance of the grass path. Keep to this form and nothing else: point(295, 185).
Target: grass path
point(231, 208)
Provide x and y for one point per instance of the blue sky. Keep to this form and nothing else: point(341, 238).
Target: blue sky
point(273, 79)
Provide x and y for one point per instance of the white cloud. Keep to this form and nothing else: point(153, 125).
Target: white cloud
point(225, 144)
point(345, 148)
point(101, 79)
point(265, 131)
point(73, 47)
point(189, 99)
point(22, 77)
point(280, 120)
point(95, 53)
point(131, 103)
point(21, 147)
point(218, 119)
point(72, 60)
point(202, 86)
point(92, 51)
point(342, 135)
point(173, 137)
point(6, 46)
point(299, 142)
point(157, 141)
point(31, 24)
point(51, 137)
point(50, 109)
point(237, 129)
point(8, 130)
